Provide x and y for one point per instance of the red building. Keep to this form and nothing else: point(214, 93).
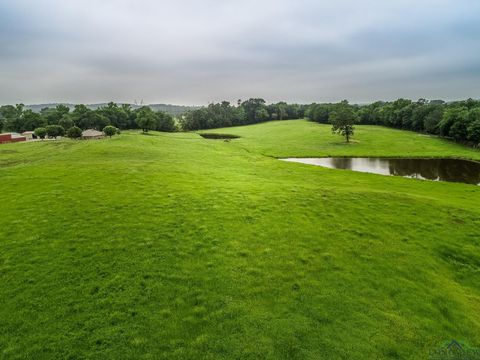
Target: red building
point(9, 138)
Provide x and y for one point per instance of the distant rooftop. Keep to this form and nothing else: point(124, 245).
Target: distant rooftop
point(91, 133)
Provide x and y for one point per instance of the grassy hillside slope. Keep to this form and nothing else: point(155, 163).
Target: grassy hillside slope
point(177, 247)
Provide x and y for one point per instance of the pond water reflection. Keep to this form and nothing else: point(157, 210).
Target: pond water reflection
point(453, 170)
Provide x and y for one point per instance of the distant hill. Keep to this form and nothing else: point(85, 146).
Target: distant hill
point(174, 110)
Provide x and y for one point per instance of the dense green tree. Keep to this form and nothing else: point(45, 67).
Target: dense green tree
point(62, 109)
point(54, 131)
point(395, 114)
point(86, 118)
point(74, 132)
point(458, 130)
point(109, 130)
point(277, 111)
point(371, 114)
point(83, 117)
point(450, 117)
point(261, 114)
point(195, 119)
point(40, 132)
point(146, 119)
point(433, 118)
point(471, 103)
point(52, 116)
point(117, 116)
point(131, 116)
point(255, 110)
point(98, 120)
point(13, 117)
point(405, 115)
point(474, 132)
point(165, 122)
point(461, 120)
point(473, 129)
point(319, 112)
point(294, 111)
point(8, 111)
point(419, 113)
point(343, 119)
point(283, 111)
point(474, 115)
point(30, 121)
point(66, 121)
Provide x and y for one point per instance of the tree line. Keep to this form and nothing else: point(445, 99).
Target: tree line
point(247, 112)
point(19, 119)
point(458, 120)
point(61, 118)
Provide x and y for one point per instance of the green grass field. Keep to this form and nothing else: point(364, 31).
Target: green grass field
point(171, 246)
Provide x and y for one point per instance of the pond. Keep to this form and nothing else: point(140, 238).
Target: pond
point(216, 136)
point(453, 170)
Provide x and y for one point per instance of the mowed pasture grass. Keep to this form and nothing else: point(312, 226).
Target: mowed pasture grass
point(172, 246)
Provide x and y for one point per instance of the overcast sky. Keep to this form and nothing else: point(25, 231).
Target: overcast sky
point(196, 52)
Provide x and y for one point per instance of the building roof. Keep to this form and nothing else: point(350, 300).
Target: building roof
point(12, 135)
point(91, 133)
point(27, 132)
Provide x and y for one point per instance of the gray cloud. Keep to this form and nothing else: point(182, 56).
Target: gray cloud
point(194, 52)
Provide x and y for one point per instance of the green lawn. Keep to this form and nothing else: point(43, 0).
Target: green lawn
point(171, 246)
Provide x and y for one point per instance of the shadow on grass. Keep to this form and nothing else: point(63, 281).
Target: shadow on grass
point(148, 134)
point(344, 143)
